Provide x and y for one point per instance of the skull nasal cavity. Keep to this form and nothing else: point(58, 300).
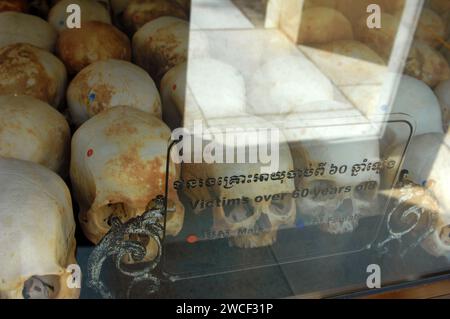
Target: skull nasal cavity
point(263, 223)
point(346, 206)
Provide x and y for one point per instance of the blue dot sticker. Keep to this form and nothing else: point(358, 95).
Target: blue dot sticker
point(300, 224)
point(91, 97)
point(384, 108)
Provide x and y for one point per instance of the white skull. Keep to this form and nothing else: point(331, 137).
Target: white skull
point(105, 84)
point(427, 162)
point(226, 96)
point(94, 41)
point(16, 27)
point(32, 130)
point(285, 85)
point(443, 94)
point(118, 167)
point(90, 11)
point(427, 64)
point(173, 95)
point(337, 201)
point(247, 223)
point(28, 70)
point(163, 43)
point(139, 12)
point(417, 100)
point(37, 241)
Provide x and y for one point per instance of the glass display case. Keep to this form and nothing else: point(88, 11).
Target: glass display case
point(223, 148)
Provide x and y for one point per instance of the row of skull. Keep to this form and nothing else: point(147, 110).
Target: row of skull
point(38, 234)
point(118, 155)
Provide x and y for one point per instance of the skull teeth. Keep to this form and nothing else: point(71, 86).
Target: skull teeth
point(254, 241)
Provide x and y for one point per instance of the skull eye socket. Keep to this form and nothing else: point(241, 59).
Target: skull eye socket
point(239, 213)
point(41, 287)
point(323, 190)
point(281, 207)
point(113, 210)
point(366, 191)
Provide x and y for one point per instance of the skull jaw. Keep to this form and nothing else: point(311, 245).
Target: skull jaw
point(254, 241)
point(94, 221)
point(340, 228)
point(335, 225)
point(265, 236)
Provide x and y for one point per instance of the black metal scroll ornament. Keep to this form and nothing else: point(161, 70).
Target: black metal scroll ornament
point(413, 215)
point(121, 242)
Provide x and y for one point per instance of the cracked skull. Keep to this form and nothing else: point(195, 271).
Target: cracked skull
point(118, 167)
point(37, 243)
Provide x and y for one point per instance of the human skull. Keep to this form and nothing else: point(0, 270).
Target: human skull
point(90, 11)
point(105, 84)
point(16, 27)
point(417, 100)
point(118, 6)
point(337, 201)
point(427, 64)
point(173, 95)
point(430, 28)
point(28, 70)
point(139, 12)
point(321, 25)
point(118, 167)
point(32, 130)
point(225, 98)
point(94, 41)
point(185, 4)
point(248, 222)
point(285, 84)
point(37, 242)
point(443, 94)
point(427, 163)
point(381, 40)
point(160, 45)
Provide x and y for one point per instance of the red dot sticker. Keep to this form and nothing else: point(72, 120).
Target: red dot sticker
point(90, 152)
point(192, 239)
point(174, 87)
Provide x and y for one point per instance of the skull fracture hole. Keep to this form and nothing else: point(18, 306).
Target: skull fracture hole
point(41, 287)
